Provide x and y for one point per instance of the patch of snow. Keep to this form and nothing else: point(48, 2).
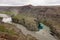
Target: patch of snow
point(7, 20)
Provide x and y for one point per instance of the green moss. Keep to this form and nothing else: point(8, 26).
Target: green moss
point(7, 12)
point(3, 29)
point(11, 32)
point(0, 17)
point(19, 16)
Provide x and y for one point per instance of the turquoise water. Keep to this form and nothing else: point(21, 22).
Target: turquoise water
point(40, 26)
point(43, 27)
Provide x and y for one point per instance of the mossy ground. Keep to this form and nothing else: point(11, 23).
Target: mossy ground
point(3, 28)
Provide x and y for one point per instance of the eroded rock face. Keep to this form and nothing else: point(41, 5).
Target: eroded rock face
point(29, 23)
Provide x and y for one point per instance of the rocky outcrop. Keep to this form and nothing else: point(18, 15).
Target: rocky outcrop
point(28, 22)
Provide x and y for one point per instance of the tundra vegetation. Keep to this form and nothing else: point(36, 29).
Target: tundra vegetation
point(31, 16)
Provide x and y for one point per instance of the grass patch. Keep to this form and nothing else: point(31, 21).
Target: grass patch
point(7, 12)
point(3, 29)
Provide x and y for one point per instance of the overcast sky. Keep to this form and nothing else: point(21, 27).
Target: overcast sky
point(33, 2)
